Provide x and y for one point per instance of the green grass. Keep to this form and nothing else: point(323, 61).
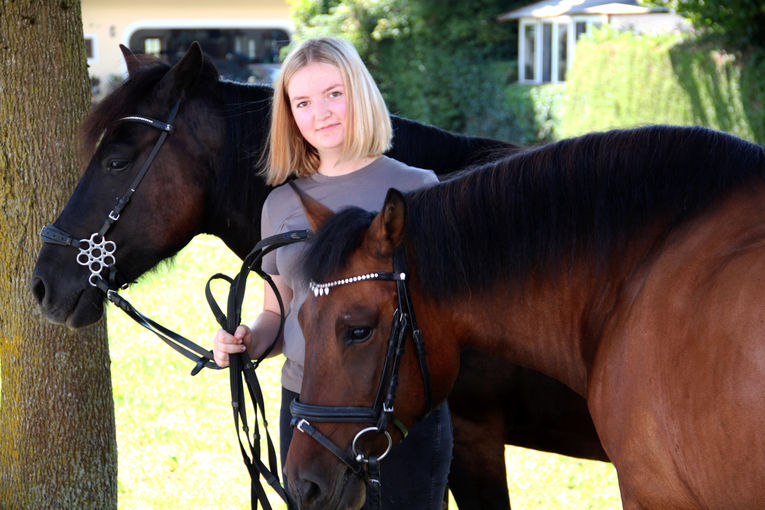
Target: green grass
point(175, 434)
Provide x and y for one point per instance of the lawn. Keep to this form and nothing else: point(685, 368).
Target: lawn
point(176, 442)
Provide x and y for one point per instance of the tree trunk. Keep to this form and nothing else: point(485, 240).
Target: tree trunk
point(57, 434)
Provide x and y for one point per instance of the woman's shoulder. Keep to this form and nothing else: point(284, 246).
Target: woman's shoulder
point(280, 195)
point(281, 204)
point(403, 171)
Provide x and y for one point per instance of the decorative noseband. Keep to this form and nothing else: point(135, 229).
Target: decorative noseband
point(322, 289)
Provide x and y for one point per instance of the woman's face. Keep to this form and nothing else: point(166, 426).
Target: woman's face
point(318, 104)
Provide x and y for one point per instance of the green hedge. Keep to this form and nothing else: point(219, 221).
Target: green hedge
point(620, 79)
point(533, 112)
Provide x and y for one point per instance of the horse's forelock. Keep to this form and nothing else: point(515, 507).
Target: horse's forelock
point(123, 100)
point(117, 104)
point(329, 250)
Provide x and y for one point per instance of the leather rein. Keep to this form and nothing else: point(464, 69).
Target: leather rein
point(381, 412)
point(97, 254)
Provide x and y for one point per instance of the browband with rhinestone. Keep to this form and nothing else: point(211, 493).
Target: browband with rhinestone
point(322, 289)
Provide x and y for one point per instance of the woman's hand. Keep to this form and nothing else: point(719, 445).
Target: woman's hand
point(260, 336)
point(226, 343)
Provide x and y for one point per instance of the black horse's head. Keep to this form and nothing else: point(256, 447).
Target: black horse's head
point(168, 204)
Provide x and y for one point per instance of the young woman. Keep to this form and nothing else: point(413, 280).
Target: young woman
point(329, 129)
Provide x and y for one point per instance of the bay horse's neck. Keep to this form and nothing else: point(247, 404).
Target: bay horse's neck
point(552, 322)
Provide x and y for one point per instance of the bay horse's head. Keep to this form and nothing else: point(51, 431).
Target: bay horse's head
point(363, 386)
point(147, 136)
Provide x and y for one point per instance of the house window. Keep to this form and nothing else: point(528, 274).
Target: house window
point(562, 51)
point(248, 54)
point(581, 29)
point(152, 46)
point(547, 51)
point(547, 46)
point(528, 52)
point(90, 48)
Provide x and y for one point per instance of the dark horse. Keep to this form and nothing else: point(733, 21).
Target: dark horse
point(628, 265)
point(204, 179)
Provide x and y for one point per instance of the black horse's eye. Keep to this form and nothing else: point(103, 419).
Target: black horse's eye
point(117, 165)
point(358, 335)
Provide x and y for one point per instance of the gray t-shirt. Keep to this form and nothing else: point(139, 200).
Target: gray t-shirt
point(282, 212)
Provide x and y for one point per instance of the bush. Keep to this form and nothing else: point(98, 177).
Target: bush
point(534, 112)
point(620, 79)
point(739, 23)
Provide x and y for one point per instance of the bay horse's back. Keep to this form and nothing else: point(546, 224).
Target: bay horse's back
point(680, 391)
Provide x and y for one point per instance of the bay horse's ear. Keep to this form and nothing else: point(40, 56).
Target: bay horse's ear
point(183, 75)
point(387, 229)
point(316, 212)
point(131, 61)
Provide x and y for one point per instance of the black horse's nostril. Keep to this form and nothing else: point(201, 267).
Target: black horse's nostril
point(37, 285)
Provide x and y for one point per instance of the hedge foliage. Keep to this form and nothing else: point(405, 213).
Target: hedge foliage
point(736, 22)
point(620, 79)
point(532, 113)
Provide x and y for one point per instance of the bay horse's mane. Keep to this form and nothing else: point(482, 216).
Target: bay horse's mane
point(542, 207)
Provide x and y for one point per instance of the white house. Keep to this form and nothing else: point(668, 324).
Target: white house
point(548, 31)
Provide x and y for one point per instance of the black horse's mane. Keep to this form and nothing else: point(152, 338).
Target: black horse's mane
point(539, 208)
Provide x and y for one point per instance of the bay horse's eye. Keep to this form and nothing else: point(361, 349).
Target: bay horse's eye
point(117, 165)
point(358, 335)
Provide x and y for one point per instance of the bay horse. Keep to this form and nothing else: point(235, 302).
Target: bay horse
point(204, 180)
point(628, 264)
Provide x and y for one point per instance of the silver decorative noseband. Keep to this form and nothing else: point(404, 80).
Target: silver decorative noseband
point(96, 253)
point(322, 289)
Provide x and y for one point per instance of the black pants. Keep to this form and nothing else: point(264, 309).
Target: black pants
point(414, 475)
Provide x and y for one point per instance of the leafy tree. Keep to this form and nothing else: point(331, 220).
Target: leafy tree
point(740, 23)
point(57, 436)
point(445, 63)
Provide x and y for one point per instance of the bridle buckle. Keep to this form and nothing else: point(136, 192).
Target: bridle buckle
point(302, 423)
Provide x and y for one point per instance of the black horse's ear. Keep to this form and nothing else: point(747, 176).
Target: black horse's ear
point(387, 229)
point(183, 75)
point(316, 212)
point(131, 61)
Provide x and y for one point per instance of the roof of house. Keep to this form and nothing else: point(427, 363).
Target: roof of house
point(553, 8)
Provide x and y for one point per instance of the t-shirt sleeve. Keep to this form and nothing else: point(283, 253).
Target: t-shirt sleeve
point(429, 178)
point(415, 178)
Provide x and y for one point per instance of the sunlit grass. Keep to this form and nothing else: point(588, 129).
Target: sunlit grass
point(176, 442)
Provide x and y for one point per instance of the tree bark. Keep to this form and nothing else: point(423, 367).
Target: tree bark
point(57, 432)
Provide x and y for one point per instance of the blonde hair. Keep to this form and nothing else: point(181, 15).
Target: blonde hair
point(368, 130)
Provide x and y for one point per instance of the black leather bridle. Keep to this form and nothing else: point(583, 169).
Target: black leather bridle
point(381, 412)
point(98, 255)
